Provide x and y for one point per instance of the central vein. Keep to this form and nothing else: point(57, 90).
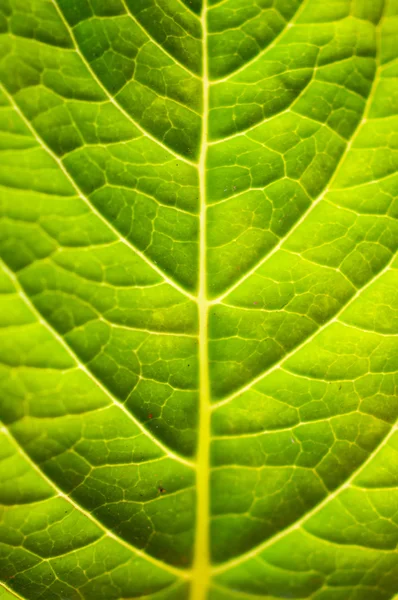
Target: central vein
point(202, 562)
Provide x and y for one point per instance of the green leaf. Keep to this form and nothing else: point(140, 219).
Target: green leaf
point(198, 299)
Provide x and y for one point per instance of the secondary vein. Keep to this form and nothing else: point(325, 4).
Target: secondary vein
point(83, 367)
point(307, 340)
point(298, 524)
point(76, 506)
point(316, 201)
point(84, 198)
point(110, 97)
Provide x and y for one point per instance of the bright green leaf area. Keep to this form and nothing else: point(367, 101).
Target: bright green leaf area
point(198, 299)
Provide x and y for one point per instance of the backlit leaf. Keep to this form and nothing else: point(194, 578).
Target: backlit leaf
point(198, 299)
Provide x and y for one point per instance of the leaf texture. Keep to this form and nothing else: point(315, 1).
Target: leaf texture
point(199, 299)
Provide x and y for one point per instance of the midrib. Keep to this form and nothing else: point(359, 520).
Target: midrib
point(201, 570)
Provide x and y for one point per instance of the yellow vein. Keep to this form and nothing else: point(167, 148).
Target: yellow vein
point(83, 367)
point(86, 513)
point(110, 97)
point(201, 568)
point(61, 165)
point(307, 340)
point(298, 524)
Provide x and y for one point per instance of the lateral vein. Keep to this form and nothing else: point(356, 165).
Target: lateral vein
point(314, 203)
point(154, 41)
point(110, 97)
point(117, 234)
point(298, 524)
point(264, 50)
point(262, 261)
point(21, 291)
point(307, 340)
point(76, 506)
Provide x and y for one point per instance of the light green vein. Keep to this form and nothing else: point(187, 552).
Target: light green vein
point(61, 494)
point(155, 42)
point(83, 367)
point(117, 234)
point(320, 197)
point(307, 340)
point(111, 98)
point(254, 552)
point(266, 49)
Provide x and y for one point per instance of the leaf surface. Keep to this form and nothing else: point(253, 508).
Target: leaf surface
point(199, 306)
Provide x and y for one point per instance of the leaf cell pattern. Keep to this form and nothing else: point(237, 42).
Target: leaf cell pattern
point(199, 299)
